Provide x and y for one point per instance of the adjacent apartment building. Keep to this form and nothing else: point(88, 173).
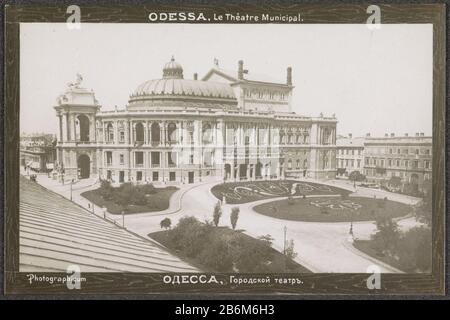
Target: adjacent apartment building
point(349, 155)
point(407, 157)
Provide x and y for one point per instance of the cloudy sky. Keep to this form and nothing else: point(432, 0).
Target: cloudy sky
point(375, 81)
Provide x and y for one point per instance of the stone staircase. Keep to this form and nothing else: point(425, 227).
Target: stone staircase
point(56, 233)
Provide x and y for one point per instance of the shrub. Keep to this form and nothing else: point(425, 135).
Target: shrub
point(123, 194)
point(234, 216)
point(165, 223)
point(414, 250)
point(138, 198)
point(148, 188)
point(216, 255)
point(254, 256)
point(189, 236)
point(217, 213)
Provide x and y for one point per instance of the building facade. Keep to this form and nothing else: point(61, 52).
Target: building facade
point(229, 125)
point(349, 155)
point(38, 152)
point(409, 158)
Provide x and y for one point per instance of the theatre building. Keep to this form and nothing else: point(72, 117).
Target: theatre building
point(228, 125)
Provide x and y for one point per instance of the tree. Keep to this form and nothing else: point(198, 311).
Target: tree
point(414, 250)
point(289, 250)
point(424, 208)
point(217, 213)
point(387, 235)
point(234, 216)
point(165, 223)
point(356, 176)
point(123, 195)
point(106, 190)
point(395, 182)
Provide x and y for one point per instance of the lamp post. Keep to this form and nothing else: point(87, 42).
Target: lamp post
point(71, 183)
point(284, 244)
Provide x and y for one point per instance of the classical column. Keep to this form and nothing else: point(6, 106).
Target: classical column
point(60, 128)
point(67, 126)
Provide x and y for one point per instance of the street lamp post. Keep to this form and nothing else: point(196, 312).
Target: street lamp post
point(284, 246)
point(71, 183)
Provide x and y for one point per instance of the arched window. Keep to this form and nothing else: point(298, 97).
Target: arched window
point(156, 133)
point(83, 122)
point(289, 164)
point(139, 132)
point(172, 132)
point(109, 132)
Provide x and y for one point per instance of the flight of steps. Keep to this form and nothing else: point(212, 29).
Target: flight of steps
point(56, 233)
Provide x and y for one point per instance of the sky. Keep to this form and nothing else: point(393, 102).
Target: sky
point(377, 81)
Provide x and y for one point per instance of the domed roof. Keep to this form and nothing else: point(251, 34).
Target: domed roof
point(173, 84)
point(173, 69)
point(186, 88)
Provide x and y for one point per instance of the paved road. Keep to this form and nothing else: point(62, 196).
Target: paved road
point(321, 247)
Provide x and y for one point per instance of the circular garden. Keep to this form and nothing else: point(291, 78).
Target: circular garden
point(333, 209)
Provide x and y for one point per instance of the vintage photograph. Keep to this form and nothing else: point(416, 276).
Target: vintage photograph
point(250, 148)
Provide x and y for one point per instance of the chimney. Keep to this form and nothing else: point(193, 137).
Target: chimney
point(368, 135)
point(422, 134)
point(386, 135)
point(350, 135)
point(417, 134)
point(392, 135)
point(289, 76)
point(406, 134)
point(241, 70)
point(195, 76)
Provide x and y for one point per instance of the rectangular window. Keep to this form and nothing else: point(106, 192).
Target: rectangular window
point(108, 158)
point(389, 162)
point(191, 159)
point(155, 176)
point(121, 157)
point(155, 159)
point(171, 176)
point(406, 163)
point(139, 158)
point(139, 176)
point(171, 159)
point(427, 164)
point(122, 136)
point(416, 164)
point(417, 151)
